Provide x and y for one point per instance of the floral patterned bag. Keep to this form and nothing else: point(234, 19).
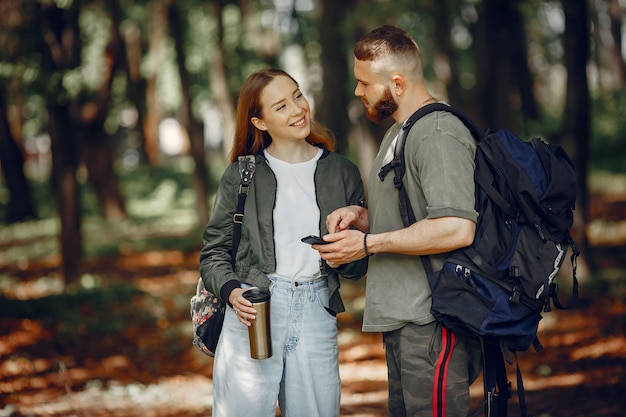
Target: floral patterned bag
point(207, 317)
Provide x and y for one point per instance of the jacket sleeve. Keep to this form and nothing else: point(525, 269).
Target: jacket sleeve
point(355, 196)
point(215, 256)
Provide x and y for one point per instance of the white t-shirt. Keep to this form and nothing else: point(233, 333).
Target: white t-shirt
point(296, 215)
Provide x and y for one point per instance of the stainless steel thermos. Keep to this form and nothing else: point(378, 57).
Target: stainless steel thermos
point(259, 331)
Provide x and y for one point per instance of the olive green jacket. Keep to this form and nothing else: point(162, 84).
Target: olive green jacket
point(337, 184)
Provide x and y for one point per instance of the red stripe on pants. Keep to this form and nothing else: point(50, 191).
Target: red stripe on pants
point(441, 372)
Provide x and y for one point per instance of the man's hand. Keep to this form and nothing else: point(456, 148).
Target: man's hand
point(346, 246)
point(344, 217)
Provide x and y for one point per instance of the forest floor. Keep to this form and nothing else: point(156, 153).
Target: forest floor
point(125, 350)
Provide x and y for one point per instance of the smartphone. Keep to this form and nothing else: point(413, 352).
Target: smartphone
point(314, 240)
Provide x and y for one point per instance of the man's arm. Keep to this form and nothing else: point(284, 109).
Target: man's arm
point(425, 237)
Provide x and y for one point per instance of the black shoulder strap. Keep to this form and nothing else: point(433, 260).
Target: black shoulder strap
point(246, 170)
point(496, 386)
point(398, 163)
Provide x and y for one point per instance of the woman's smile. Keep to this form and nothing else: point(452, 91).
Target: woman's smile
point(300, 123)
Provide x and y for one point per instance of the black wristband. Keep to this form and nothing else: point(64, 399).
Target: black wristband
point(365, 244)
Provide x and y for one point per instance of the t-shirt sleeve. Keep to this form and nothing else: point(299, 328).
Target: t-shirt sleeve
point(444, 169)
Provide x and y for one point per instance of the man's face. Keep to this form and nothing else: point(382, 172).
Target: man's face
point(377, 98)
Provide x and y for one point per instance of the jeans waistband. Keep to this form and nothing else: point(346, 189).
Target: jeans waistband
point(299, 283)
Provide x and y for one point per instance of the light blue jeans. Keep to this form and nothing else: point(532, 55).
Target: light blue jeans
point(303, 372)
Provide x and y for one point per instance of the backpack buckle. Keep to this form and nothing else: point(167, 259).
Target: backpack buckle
point(246, 169)
point(514, 298)
point(397, 182)
point(384, 171)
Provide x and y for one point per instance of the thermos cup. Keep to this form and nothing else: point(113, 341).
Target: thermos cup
point(259, 331)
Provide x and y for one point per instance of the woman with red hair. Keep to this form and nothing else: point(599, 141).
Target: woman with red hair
point(298, 181)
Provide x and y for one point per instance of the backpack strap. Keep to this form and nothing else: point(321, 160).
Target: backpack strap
point(397, 164)
point(247, 166)
point(554, 288)
point(496, 386)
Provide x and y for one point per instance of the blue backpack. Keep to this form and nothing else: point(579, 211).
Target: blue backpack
point(497, 288)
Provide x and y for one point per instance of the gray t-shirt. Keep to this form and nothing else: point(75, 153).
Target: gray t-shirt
point(439, 179)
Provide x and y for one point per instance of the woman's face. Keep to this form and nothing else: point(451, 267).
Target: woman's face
point(285, 111)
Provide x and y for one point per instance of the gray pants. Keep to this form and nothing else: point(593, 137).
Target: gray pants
point(430, 370)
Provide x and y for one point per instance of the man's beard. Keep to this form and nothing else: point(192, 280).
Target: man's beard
point(383, 108)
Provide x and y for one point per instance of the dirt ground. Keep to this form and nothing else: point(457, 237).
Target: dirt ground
point(110, 359)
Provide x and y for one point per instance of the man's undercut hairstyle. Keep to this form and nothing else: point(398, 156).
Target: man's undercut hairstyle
point(389, 47)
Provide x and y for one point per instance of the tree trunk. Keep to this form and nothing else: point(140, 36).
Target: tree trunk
point(219, 82)
point(156, 51)
point(607, 38)
point(504, 84)
point(518, 63)
point(332, 107)
point(12, 164)
point(98, 157)
point(96, 150)
point(130, 57)
point(60, 37)
point(193, 127)
point(64, 165)
point(445, 57)
point(615, 15)
point(576, 120)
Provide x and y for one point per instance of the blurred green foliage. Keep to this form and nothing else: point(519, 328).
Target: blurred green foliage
point(608, 141)
point(161, 215)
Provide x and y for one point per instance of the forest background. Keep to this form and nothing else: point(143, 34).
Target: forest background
point(116, 118)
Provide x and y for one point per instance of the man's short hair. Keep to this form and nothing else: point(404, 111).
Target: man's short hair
point(390, 49)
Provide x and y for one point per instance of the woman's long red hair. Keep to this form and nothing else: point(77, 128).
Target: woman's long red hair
point(250, 140)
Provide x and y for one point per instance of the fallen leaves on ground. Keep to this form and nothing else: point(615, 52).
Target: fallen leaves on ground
point(131, 355)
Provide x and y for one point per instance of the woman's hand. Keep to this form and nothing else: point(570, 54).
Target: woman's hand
point(243, 308)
